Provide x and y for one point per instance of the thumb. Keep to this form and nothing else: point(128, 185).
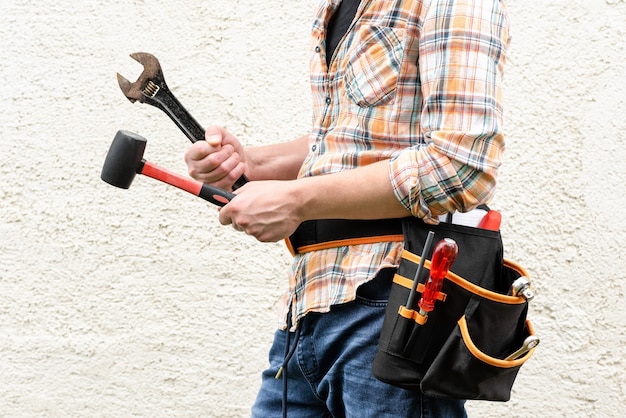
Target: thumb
point(213, 136)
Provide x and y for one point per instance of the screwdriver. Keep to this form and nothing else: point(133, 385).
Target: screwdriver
point(427, 244)
point(444, 254)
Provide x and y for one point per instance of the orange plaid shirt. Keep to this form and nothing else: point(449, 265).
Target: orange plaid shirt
point(416, 83)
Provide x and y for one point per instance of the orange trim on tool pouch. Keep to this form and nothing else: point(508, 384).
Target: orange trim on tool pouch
point(411, 314)
point(350, 241)
point(504, 364)
point(408, 283)
point(470, 287)
point(514, 266)
point(403, 281)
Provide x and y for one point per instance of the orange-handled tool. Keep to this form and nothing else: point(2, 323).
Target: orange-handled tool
point(444, 254)
point(491, 221)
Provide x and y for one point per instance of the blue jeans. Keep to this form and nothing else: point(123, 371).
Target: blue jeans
point(330, 372)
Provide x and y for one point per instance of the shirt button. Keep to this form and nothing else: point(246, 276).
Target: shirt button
point(328, 100)
point(313, 148)
point(318, 49)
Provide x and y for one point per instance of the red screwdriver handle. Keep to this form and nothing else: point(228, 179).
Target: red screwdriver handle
point(444, 254)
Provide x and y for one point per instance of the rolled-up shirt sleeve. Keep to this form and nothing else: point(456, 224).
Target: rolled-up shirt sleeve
point(461, 57)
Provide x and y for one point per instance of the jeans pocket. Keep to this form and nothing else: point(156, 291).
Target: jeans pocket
point(375, 293)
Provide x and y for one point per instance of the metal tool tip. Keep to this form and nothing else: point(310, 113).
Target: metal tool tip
point(126, 86)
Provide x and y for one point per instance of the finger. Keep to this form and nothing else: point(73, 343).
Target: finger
point(218, 165)
point(224, 218)
point(237, 171)
point(198, 151)
point(205, 165)
point(218, 158)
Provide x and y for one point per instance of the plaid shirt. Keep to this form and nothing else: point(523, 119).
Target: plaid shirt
point(416, 83)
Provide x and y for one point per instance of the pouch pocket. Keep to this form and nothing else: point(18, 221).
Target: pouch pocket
point(463, 371)
point(409, 335)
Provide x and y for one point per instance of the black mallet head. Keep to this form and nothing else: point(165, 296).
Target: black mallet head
point(124, 159)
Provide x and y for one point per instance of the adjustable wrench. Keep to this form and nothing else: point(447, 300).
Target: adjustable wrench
point(151, 88)
point(521, 287)
point(529, 343)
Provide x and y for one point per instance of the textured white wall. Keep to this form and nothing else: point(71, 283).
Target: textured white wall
point(138, 303)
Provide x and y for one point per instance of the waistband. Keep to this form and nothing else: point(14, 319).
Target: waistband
point(332, 233)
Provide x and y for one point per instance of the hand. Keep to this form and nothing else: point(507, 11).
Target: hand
point(218, 161)
point(267, 210)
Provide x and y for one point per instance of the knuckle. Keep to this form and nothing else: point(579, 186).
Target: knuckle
point(193, 172)
point(214, 159)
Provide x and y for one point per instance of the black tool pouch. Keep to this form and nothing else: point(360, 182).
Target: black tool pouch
point(458, 351)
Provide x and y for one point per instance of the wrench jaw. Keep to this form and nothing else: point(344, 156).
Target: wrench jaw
point(142, 90)
point(131, 93)
point(151, 76)
point(150, 63)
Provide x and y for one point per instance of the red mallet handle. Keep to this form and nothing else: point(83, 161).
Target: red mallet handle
point(212, 194)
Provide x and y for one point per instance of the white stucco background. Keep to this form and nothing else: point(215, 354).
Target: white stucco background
point(137, 302)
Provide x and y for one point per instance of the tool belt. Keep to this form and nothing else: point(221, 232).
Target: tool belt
point(458, 351)
point(331, 233)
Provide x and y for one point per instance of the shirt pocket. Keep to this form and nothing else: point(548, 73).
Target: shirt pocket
point(374, 65)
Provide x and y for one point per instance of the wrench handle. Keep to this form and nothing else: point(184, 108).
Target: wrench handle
point(240, 182)
point(165, 100)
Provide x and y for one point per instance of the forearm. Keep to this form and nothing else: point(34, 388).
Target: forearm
point(360, 193)
point(272, 210)
point(277, 161)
